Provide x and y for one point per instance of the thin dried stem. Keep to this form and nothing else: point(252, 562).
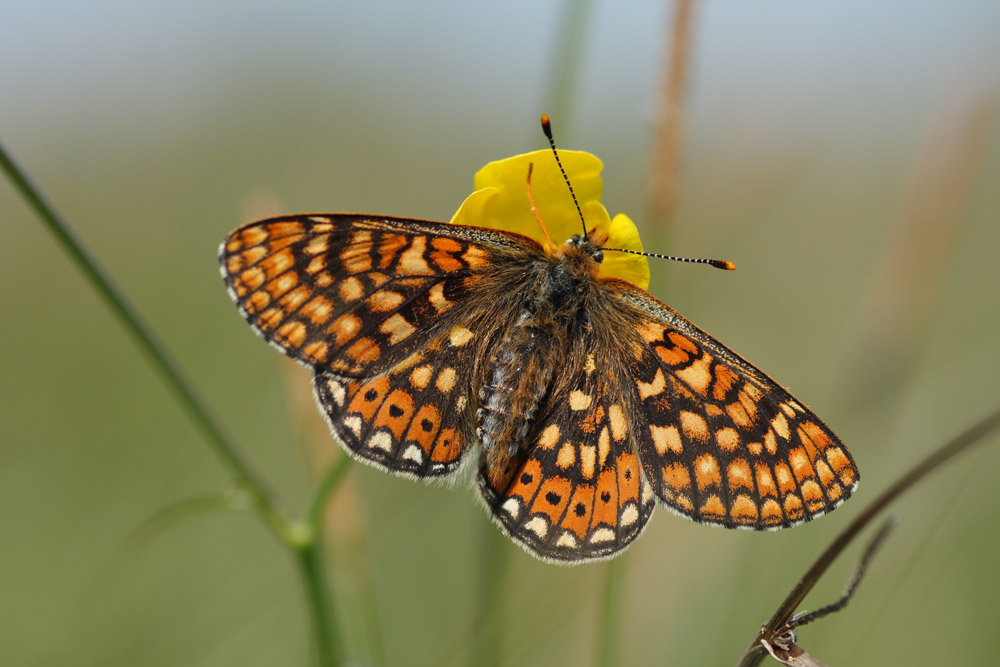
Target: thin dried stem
point(783, 646)
point(919, 246)
point(668, 133)
point(755, 651)
point(804, 619)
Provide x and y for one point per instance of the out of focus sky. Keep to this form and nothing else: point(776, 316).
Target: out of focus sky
point(844, 154)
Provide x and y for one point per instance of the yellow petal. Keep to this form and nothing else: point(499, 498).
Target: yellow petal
point(500, 201)
point(508, 207)
point(623, 234)
point(477, 209)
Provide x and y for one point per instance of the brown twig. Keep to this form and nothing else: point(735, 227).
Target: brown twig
point(783, 646)
point(663, 189)
point(919, 246)
point(804, 619)
point(755, 652)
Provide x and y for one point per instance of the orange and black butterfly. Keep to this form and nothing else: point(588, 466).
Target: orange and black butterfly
point(582, 399)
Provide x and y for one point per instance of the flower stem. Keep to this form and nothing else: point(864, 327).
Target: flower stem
point(566, 66)
point(326, 635)
point(313, 564)
point(491, 592)
point(609, 631)
point(262, 497)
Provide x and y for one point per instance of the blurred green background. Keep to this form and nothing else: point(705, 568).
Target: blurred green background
point(845, 156)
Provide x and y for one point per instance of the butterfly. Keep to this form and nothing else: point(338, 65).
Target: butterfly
point(582, 399)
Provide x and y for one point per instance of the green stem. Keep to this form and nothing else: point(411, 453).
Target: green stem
point(566, 65)
point(491, 587)
point(609, 632)
point(312, 565)
point(263, 498)
point(300, 538)
point(755, 651)
point(326, 636)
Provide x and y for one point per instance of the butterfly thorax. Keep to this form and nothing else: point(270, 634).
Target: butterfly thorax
point(521, 368)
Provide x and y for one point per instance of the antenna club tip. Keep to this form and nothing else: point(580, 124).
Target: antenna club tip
point(724, 264)
point(547, 125)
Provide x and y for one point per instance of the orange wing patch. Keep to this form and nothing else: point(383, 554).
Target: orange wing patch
point(565, 499)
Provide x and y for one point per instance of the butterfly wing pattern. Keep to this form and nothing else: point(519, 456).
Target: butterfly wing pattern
point(585, 397)
point(374, 306)
point(720, 441)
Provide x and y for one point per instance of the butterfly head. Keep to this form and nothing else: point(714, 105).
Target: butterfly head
point(590, 244)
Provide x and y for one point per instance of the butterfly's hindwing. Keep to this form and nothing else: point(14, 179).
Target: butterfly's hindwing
point(414, 419)
point(576, 492)
point(722, 443)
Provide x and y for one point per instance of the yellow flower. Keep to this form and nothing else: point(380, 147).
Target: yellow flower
point(500, 201)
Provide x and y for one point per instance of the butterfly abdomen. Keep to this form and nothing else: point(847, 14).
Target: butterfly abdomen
point(520, 371)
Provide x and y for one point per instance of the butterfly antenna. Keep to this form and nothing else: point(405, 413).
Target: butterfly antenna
point(723, 264)
point(547, 129)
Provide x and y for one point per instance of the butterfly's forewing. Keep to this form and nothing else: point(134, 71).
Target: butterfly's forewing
point(719, 441)
point(355, 295)
point(380, 308)
point(576, 491)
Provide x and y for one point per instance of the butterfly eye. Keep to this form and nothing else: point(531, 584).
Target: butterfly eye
point(598, 255)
